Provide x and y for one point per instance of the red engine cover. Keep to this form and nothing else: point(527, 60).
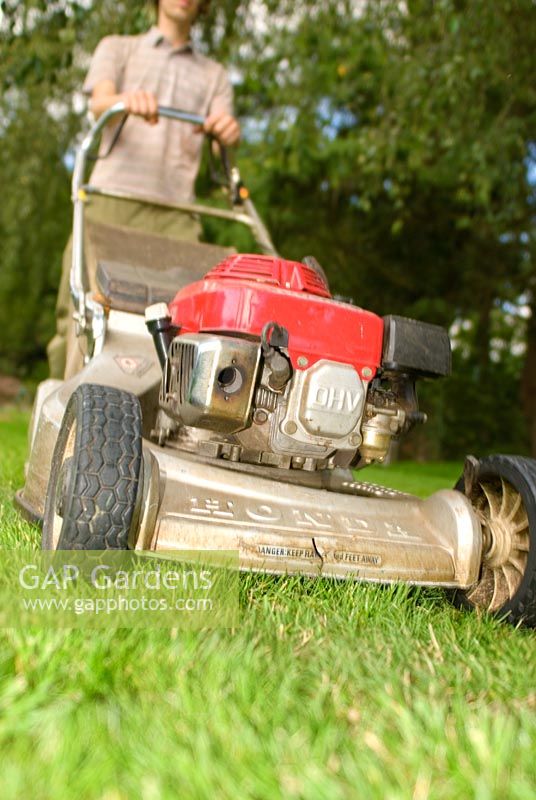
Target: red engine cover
point(244, 292)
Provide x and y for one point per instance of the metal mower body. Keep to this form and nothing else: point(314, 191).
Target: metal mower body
point(223, 401)
point(314, 523)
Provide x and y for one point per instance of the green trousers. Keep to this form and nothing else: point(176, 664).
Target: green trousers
point(144, 217)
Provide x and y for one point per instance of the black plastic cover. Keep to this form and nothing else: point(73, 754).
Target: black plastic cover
point(416, 347)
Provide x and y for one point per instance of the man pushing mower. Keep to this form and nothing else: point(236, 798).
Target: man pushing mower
point(153, 162)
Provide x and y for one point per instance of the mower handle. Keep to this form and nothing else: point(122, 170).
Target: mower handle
point(91, 138)
point(89, 314)
point(79, 194)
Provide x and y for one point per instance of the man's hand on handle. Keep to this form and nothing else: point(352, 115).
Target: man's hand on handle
point(142, 104)
point(223, 127)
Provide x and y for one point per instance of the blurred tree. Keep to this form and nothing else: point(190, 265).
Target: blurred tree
point(44, 53)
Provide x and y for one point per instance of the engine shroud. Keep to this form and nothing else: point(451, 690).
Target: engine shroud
point(266, 367)
point(244, 292)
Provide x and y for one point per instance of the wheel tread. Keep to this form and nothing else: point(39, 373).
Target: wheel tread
point(520, 471)
point(109, 453)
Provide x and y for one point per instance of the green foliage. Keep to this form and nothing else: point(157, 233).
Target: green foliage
point(390, 140)
point(398, 148)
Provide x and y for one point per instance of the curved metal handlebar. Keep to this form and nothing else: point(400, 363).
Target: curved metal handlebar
point(80, 164)
point(93, 134)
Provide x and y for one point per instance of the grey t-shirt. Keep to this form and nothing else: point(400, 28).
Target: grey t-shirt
point(159, 162)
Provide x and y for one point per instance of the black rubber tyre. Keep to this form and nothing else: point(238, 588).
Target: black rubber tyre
point(95, 472)
point(503, 494)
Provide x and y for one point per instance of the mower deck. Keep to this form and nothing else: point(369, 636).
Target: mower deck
point(282, 527)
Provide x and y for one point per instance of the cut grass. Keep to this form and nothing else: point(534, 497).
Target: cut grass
point(326, 690)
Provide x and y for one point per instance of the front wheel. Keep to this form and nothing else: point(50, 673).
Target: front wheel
point(502, 491)
point(93, 485)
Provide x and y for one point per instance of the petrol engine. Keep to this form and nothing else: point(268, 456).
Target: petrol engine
point(262, 365)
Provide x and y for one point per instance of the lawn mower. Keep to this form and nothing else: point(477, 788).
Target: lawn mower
point(216, 400)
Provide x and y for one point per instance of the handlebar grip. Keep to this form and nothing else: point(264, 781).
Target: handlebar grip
point(180, 116)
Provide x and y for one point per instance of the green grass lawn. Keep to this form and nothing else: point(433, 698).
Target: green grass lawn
point(326, 690)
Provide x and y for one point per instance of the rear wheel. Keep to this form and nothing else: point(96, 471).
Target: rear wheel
point(93, 485)
point(503, 494)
